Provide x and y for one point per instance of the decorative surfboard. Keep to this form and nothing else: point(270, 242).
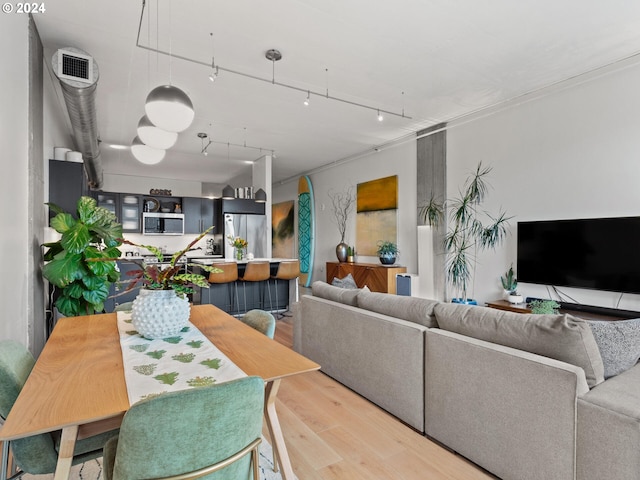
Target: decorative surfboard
point(306, 229)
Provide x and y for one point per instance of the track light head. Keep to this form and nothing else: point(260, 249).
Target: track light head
point(380, 117)
point(307, 100)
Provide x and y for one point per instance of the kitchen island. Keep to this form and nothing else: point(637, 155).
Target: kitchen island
point(224, 297)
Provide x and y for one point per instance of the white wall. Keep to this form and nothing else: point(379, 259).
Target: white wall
point(401, 161)
point(14, 131)
point(142, 185)
point(571, 154)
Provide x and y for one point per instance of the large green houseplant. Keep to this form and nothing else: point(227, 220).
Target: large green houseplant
point(81, 264)
point(469, 231)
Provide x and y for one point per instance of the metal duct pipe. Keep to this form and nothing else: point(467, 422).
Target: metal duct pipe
point(78, 75)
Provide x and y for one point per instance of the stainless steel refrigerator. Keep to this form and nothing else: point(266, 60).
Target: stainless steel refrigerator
point(253, 228)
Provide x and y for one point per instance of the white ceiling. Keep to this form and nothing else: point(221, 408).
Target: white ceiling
point(436, 60)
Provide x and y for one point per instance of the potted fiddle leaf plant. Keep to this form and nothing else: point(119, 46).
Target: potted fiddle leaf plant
point(510, 286)
point(387, 252)
point(162, 308)
point(470, 230)
point(82, 264)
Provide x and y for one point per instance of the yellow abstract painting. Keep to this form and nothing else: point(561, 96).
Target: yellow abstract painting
point(377, 214)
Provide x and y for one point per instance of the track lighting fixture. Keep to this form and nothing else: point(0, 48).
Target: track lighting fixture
point(380, 117)
point(202, 136)
point(306, 100)
point(214, 73)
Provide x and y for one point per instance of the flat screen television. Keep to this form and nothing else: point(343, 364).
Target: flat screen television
point(594, 253)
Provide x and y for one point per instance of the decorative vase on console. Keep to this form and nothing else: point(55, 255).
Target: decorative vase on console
point(343, 203)
point(239, 254)
point(341, 251)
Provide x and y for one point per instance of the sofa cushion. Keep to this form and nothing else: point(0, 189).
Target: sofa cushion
point(562, 337)
point(336, 294)
point(619, 344)
point(412, 309)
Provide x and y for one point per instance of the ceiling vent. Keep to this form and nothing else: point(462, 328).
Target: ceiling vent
point(78, 74)
point(75, 66)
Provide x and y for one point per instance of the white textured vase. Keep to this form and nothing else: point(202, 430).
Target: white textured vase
point(159, 313)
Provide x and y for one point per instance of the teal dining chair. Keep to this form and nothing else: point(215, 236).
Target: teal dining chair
point(37, 454)
point(260, 320)
point(205, 431)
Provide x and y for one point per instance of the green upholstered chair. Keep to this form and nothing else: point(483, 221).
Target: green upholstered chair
point(262, 321)
point(193, 432)
point(123, 307)
point(37, 454)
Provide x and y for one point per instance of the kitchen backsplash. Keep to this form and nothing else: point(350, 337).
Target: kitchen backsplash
point(168, 243)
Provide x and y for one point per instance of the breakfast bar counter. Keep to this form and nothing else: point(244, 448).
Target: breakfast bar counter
point(271, 295)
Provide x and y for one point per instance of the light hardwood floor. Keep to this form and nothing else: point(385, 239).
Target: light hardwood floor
point(333, 433)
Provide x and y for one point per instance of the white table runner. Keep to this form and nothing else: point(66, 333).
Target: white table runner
point(188, 360)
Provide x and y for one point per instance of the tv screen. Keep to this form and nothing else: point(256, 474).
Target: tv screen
point(596, 253)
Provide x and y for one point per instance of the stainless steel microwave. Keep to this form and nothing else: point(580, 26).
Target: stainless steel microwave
point(162, 223)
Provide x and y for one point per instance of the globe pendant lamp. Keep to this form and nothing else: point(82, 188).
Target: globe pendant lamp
point(169, 108)
point(155, 137)
point(146, 154)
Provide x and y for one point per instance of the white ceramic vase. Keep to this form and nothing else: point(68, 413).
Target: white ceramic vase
point(159, 313)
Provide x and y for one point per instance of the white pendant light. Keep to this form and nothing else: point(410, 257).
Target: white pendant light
point(146, 154)
point(154, 136)
point(169, 108)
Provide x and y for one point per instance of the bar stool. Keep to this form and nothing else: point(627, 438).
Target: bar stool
point(287, 270)
point(258, 271)
point(228, 275)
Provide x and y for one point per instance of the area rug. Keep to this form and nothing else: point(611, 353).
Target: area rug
point(92, 470)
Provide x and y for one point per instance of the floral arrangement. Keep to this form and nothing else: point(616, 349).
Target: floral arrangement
point(237, 242)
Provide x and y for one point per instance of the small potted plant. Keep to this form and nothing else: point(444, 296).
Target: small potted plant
point(510, 285)
point(162, 308)
point(350, 254)
point(387, 252)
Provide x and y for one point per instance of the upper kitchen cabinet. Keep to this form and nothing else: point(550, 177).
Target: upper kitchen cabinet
point(67, 183)
point(199, 214)
point(243, 205)
point(130, 212)
point(108, 200)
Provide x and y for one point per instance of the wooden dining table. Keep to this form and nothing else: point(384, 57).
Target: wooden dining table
point(78, 386)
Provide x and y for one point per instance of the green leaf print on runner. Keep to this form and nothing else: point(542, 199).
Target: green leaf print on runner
point(212, 363)
point(167, 378)
point(157, 354)
point(148, 369)
point(201, 382)
point(139, 348)
point(184, 357)
point(173, 340)
point(195, 343)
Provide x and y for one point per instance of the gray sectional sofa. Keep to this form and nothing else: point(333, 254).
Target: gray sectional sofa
point(523, 396)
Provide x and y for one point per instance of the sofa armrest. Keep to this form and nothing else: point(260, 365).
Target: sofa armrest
point(608, 440)
point(379, 357)
point(512, 412)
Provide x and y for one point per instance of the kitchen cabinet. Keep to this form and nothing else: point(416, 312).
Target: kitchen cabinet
point(67, 183)
point(198, 214)
point(108, 200)
point(243, 205)
point(377, 277)
point(130, 208)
